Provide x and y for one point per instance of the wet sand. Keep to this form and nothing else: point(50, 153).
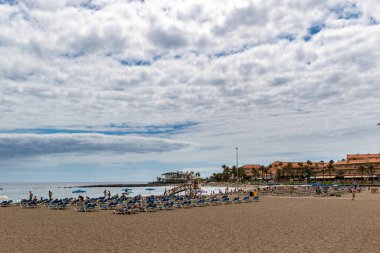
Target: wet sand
point(276, 224)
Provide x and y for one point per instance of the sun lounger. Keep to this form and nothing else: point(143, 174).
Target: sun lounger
point(58, 206)
point(246, 199)
point(151, 207)
point(30, 204)
point(186, 204)
point(237, 200)
point(6, 203)
point(110, 206)
point(215, 201)
point(202, 203)
point(169, 205)
point(90, 207)
point(125, 210)
point(226, 200)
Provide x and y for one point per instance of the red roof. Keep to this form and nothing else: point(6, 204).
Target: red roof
point(363, 156)
point(251, 166)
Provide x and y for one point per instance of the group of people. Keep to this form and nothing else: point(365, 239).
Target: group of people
point(33, 198)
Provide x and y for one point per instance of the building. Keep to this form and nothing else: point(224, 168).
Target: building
point(251, 169)
point(355, 166)
point(359, 166)
point(177, 177)
point(275, 166)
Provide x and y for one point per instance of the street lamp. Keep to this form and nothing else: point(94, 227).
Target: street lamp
point(237, 163)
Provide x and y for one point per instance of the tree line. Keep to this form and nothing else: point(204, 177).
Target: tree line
point(286, 171)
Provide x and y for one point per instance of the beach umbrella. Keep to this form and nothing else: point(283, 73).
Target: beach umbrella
point(4, 198)
point(79, 191)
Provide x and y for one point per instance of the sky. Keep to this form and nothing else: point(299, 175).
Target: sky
point(115, 90)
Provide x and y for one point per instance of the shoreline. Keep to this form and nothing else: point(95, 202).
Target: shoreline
point(112, 185)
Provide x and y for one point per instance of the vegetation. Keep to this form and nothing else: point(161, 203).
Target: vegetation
point(287, 172)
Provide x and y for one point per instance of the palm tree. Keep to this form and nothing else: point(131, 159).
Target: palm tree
point(288, 169)
point(340, 173)
point(262, 169)
point(362, 169)
point(234, 171)
point(266, 172)
point(330, 168)
point(323, 170)
point(315, 169)
point(242, 173)
point(299, 170)
point(270, 169)
point(370, 170)
point(226, 172)
point(279, 173)
point(309, 163)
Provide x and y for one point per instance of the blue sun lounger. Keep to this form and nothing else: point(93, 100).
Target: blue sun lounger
point(6, 203)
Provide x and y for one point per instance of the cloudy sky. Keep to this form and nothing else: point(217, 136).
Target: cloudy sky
point(115, 90)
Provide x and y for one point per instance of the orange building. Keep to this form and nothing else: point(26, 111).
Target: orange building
point(295, 165)
point(359, 165)
point(355, 166)
point(250, 168)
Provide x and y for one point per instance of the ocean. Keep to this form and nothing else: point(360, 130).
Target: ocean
point(18, 191)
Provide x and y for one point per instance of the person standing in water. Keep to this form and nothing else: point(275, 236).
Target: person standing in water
point(30, 196)
point(50, 195)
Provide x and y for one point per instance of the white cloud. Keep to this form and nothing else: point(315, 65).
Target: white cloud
point(206, 62)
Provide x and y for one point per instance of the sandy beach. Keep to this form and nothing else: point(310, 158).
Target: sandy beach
point(276, 224)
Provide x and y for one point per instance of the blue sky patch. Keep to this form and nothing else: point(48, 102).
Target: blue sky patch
point(128, 62)
point(90, 5)
point(112, 129)
point(313, 30)
point(73, 55)
point(288, 37)
point(231, 51)
point(348, 11)
point(9, 2)
point(156, 129)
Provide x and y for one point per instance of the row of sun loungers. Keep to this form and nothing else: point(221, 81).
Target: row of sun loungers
point(168, 203)
point(58, 204)
point(128, 205)
point(89, 207)
point(293, 191)
point(28, 204)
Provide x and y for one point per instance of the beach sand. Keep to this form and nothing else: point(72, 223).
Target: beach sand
point(276, 224)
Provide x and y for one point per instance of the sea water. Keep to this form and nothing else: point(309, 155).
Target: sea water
point(18, 191)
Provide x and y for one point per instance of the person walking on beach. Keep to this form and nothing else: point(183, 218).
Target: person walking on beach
point(353, 194)
point(50, 195)
point(30, 196)
point(105, 193)
point(109, 194)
